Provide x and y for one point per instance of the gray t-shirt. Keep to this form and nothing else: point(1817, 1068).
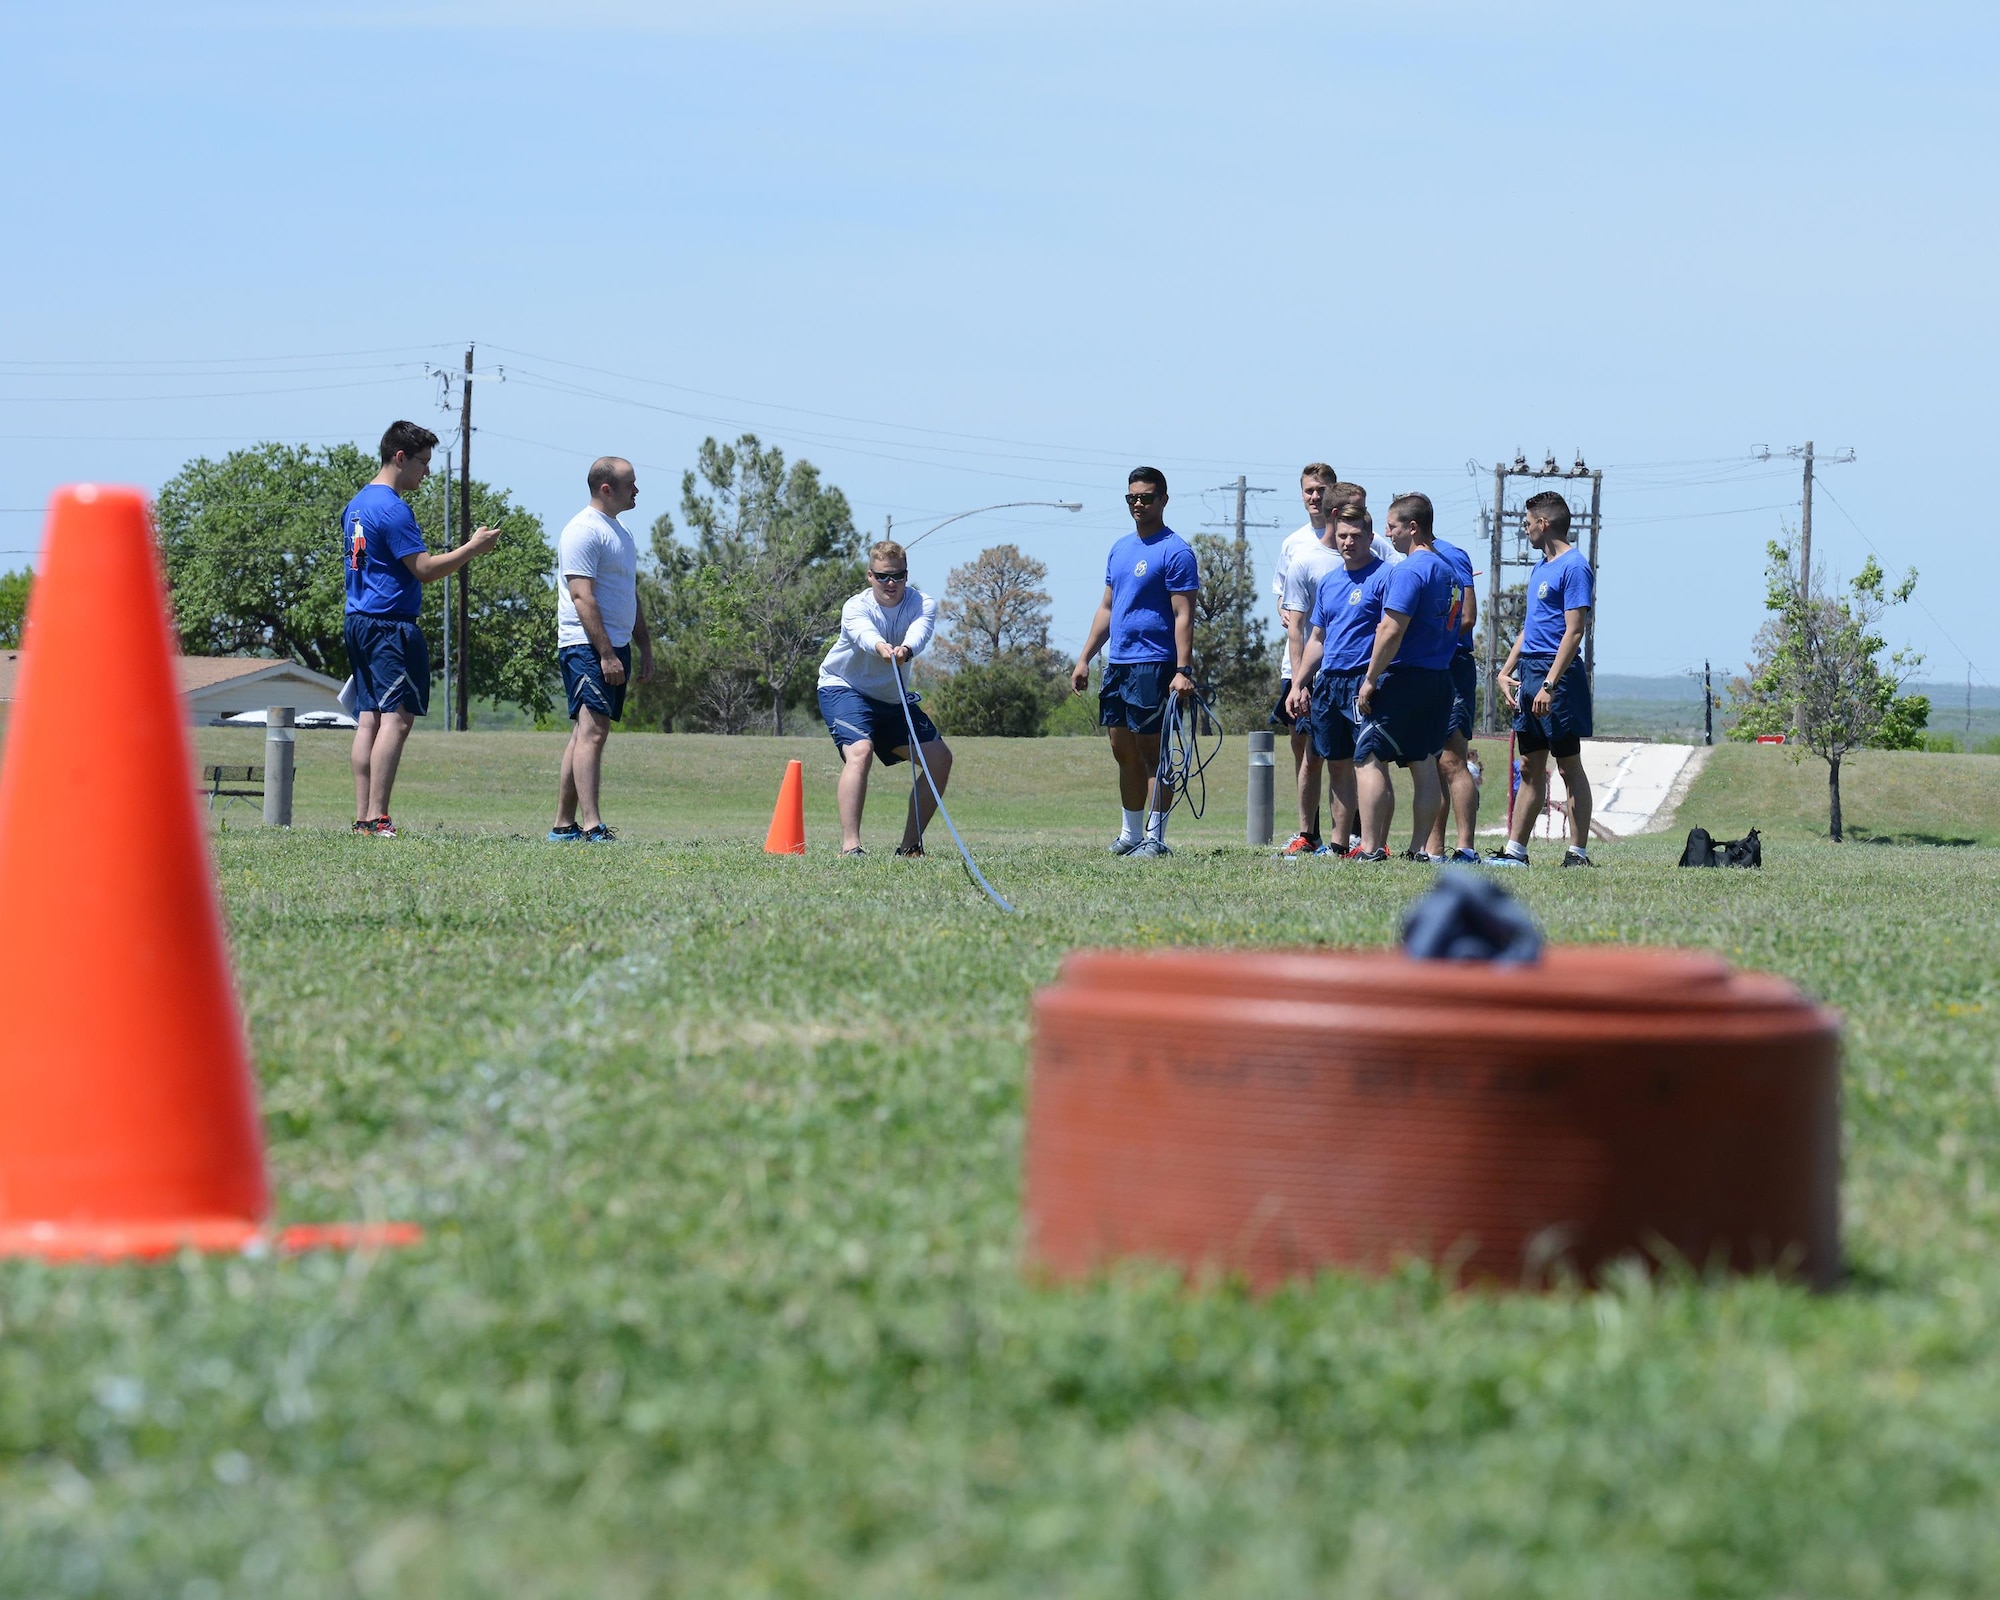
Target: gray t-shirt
point(597, 547)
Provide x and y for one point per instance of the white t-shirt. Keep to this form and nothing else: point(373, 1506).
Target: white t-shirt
point(853, 662)
point(597, 547)
point(1297, 540)
point(1302, 580)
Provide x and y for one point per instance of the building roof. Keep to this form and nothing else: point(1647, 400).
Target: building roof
point(212, 682)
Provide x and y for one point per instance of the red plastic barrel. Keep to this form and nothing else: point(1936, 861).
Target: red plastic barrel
point(1275, 1112)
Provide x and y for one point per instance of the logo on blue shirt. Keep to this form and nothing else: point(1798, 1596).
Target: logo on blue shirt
point(1140, 570)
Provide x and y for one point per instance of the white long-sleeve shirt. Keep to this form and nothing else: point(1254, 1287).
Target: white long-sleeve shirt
point(864, 624)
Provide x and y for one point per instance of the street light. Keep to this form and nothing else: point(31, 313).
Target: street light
point(1005, 505)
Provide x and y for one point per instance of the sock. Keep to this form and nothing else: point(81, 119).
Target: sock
point(1578, 850)
point(1135, 827)
point(1517, 850)
point(1156, 827)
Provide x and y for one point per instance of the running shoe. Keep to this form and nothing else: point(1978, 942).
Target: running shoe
point(1469, 858)
point(1333, 852)
point(1122, 846)
point(850, 855)
point(382, 827)
point(1301, 844)
point(1149, 848)
point(568, 833)
point(1500, 858)
point(909, 849)
point(1573, 857)
point(599, 835)
point(1423, 856)
point(1370, 855)
point(364, 826)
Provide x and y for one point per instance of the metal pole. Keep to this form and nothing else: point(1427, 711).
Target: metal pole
point(1590, 628)
point(465, 528)
point(278, 766)
point(1805, 531)
point(449, 720)
point(1493, 606)
point(1262, 797)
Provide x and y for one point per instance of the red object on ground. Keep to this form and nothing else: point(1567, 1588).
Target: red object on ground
point(1770, 738)
point(787, 835)
point(1274, 1113)
point(128, 1113)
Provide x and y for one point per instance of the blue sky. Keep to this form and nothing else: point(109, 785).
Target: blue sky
point(1004, 252)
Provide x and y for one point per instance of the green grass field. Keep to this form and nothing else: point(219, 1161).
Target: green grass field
point(719, 1158)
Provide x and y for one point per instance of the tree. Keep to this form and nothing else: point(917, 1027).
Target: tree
point(1231, 649)
point(741, 615)
point(256, 565)
point(1821, 660)
point(1004, 699)
point(996, 609)
point(14, 590)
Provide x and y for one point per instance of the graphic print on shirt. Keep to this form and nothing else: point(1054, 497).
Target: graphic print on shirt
point(358, 551)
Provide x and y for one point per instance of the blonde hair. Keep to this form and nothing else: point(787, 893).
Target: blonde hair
point(887, 550)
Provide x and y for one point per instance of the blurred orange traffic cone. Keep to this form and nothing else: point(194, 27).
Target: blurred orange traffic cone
point(788, 820)
point(128, 1114)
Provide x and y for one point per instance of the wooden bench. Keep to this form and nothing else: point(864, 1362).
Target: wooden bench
point(219, 779)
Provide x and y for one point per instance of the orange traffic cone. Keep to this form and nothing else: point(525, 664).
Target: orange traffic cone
point(128, 1115)
point(788, 819)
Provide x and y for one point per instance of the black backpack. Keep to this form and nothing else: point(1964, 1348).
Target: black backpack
point(1702, 850)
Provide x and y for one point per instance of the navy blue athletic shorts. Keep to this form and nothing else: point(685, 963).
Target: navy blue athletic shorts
point(1333, 726)
point(583, 680)
point(1412, 710)
point(390, 662)
point(1134, 695)
point(1280, 717)
point(1567, 725)
point(1464, 694)
point(852, 716)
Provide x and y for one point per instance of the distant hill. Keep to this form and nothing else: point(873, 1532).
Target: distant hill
point(1640, 707)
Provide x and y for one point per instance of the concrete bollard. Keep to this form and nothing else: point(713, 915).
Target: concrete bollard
point(1263, 779)
point(278, 736)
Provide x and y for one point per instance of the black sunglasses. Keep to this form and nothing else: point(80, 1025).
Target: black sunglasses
point(891, 577)
point(1141, 499)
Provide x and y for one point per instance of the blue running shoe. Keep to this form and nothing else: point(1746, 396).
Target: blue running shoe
point(568, 834)
point(1500, 858)
point(599, 835)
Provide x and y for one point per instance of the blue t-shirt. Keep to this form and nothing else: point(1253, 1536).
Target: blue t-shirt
point(1141, 574)
point(1423, 589)
point(379, 530)
point(1564, 584)
point(1462, 575)
point(1346, 612)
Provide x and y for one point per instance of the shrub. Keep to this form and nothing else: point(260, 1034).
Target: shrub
point(1000, 699)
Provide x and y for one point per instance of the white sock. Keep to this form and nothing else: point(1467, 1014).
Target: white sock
point(1517, 850)
point(1156, 827)
point(1578, 850)
point(1135, 827)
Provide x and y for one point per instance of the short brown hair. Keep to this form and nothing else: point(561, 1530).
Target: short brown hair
point(1354, 512)
point(1319, 470)
point(606, 470)
point(409, 437)
point(1349, 494)
point(1553, 506)
point(1415, 508)
point(888, 550)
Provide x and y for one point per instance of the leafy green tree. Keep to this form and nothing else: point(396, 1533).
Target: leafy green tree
point(256, 564)
point(742, 614)
point(1232, 652)
point(995, 609)
point(14, 590)
point(1821, 661)
point(1005, 699)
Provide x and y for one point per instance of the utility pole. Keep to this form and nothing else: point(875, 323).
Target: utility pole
point(1805, 453)
point(450, 718)
point(1707, 706)
point(1242, 488)
point(465, 530)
